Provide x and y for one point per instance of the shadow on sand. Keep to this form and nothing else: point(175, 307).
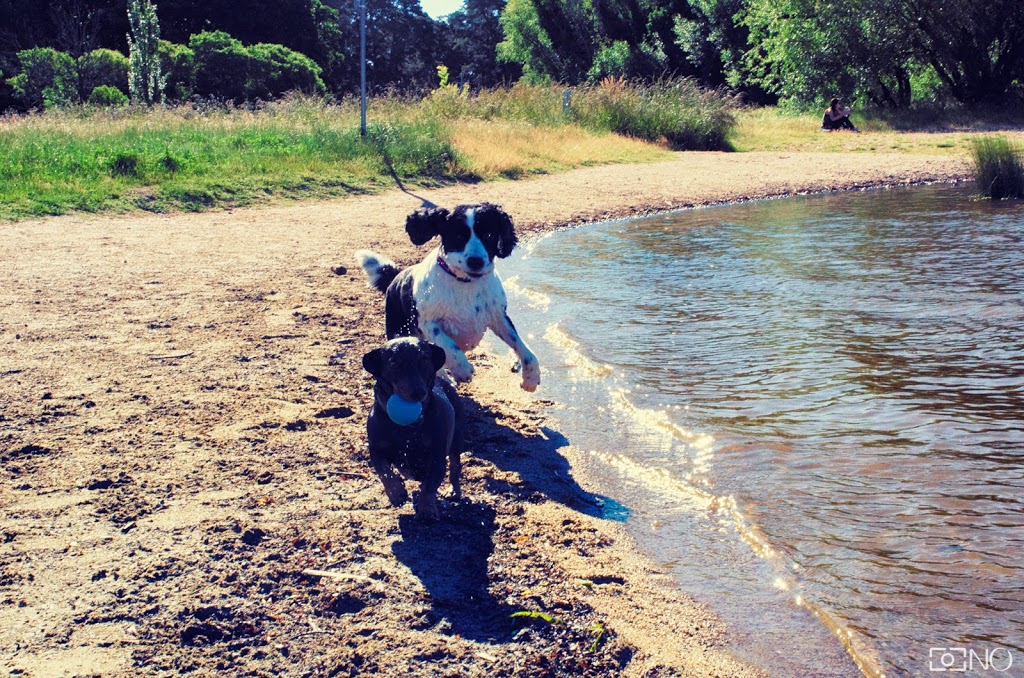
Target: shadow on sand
point(538, 462)
point(450, 557)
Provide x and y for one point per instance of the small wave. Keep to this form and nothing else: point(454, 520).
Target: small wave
point(693, 493)
point(536, 300)
point(574, 355)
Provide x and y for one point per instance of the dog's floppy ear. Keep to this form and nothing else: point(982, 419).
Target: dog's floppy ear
point(422, 225)
point(507, 239)
point(439, 356)
point(372, 361)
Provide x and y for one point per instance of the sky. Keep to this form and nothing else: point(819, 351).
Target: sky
point(438, 8)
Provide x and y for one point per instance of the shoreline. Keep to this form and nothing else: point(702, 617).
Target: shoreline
point(184, 446)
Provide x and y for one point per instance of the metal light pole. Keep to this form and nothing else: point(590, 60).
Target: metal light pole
point(362, 68)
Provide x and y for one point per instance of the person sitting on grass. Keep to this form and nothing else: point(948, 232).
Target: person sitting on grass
point(837, 116)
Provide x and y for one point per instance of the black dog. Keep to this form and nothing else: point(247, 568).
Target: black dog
point(407, 367)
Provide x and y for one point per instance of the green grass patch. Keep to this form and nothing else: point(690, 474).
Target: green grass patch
point(999, 167)
point(91, 159)
point(95, 160)
point(780, 130)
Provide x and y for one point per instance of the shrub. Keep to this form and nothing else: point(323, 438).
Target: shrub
point(124, 165)
point(677, 110)
point(102, 67)
point(448, 100)
point(534, 104)
point(999, 167)
point(48, 78)
point(178, 65)
point(169, 163)
point(221, 65)
point(413, 149)
point(275, 69)
point(105, 95)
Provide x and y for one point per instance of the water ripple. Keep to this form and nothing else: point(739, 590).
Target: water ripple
point(858, 364)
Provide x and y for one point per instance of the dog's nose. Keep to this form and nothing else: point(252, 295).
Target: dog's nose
point(475, 263)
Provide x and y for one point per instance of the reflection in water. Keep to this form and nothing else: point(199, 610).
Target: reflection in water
point(834, 383)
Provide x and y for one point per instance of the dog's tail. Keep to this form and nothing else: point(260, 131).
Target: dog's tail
point(379, 269)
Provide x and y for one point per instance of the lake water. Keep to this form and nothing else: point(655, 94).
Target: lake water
point(814, 410)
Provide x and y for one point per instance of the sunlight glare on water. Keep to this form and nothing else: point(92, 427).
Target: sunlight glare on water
point(814, 407)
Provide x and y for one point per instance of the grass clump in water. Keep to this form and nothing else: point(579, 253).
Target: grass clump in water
point(999, 167)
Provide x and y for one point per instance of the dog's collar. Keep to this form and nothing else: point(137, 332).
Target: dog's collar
point(444, 267)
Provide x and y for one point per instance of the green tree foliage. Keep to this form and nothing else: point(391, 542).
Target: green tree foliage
point(976, 48)
point(571, 41)
point(178, 64)
point(221, 65)
point(402, 45)
point(469, 37)
point(275, 69)
point(145, 83)
point(48, 78)
point(73, 26)
point(102, 67)
point(878, 49)
point(890, 52)
point(553, 40)
point(6, 92)
point(714, 41)
point(226, 69)
point(312, 27)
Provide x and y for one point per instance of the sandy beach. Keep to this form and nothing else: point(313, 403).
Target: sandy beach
point(185, 483)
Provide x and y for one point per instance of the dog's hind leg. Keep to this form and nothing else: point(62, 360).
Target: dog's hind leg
point(426, 502)
point(456, 362)
point(455, 471)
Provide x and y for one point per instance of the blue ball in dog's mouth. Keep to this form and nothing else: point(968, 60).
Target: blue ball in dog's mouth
point(403, 412)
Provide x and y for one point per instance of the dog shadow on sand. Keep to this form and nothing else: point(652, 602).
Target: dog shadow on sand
point(450, 556)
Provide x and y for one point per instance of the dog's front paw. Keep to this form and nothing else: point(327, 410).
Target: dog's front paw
point(426, 508)
point(531, 375)
point(461, 371)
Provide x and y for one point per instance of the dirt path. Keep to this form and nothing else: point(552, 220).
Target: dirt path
point(184, 480)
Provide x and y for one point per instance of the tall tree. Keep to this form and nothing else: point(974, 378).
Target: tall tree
point(401, 45)
point(808, 49)
point(72, 26)
point(469, 38)
point(144, 80)
point(572, 40)
point(976, 48)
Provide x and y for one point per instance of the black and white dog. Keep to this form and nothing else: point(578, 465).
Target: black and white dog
point(454, 295)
